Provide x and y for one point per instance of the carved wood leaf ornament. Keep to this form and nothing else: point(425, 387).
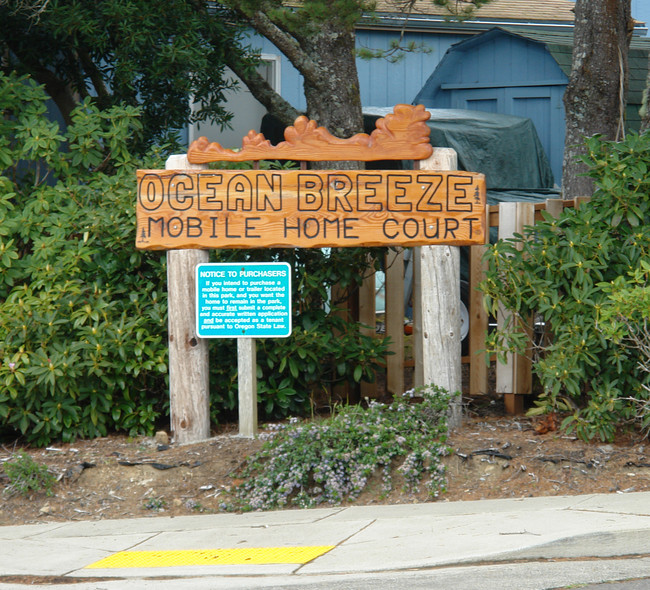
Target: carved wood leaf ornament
point(402, 135)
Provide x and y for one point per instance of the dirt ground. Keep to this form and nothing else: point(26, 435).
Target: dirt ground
point(494, 456)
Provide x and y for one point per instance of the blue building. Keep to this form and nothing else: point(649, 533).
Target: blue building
point(525, 73)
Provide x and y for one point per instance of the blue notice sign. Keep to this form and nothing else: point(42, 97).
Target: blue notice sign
point(243, 300)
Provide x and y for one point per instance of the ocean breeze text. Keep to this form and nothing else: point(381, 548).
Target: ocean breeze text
point(254, 208)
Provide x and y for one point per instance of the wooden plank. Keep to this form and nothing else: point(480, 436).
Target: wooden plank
point(247, 386)
point(394, 318)
point(478, 323)
point(402, 135)
point(189, 389)
point(308, 209)
point(514, 403)
point(368, 319)
point(417, 336)
point(439, 307)
point(515, 377)
point(554, 207)
point(505, 372)
point(493, 216)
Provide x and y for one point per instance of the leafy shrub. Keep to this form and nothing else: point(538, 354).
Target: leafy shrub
point(306, 464)
point(625, 320)
point(155, 504)
point(26, 476)
point(554, 272)
point(82, 313)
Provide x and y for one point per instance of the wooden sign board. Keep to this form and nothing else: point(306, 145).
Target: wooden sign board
point(308, 209)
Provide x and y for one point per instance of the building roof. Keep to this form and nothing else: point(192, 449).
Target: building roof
point(425, 14)
point(524, 11)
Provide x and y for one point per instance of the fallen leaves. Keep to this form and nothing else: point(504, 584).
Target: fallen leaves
point(548, 423)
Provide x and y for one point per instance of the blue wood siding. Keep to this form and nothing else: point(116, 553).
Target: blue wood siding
point(385, 84)
point(291, 86)
point(382, 84)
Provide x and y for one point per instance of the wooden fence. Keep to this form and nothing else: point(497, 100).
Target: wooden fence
point(513, 379)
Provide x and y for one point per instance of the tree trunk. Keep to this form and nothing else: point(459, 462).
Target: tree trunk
point(595, 96)
point(333, 98)
point(332, 88)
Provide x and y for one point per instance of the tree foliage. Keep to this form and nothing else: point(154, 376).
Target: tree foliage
point(82, 313)
point(164, 54)
point(159, 55)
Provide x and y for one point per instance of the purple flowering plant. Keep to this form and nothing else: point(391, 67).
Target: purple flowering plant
point(304, 464)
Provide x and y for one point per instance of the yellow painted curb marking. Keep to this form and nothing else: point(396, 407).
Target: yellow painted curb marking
point(240, 556)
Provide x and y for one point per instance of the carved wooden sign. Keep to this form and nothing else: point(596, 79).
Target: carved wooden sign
point(231, 209)
point(300, 208)
point(402, 135)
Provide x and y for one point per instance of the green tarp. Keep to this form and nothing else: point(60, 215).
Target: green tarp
point(503, 147)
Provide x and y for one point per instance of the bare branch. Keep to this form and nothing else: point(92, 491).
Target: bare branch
point(287, 43)
point(31, 8)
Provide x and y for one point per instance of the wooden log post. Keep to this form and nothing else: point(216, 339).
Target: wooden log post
point(437, 308)
point(189, 388)
point(340, 300)
point(368, 321)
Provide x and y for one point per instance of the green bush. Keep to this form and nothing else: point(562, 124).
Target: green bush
point(306, 464)
point(555, 273)
point(82, 313)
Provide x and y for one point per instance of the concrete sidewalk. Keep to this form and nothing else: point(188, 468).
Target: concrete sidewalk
point(532, 543)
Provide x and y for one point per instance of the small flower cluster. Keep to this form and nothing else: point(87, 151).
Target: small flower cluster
point(304, 464)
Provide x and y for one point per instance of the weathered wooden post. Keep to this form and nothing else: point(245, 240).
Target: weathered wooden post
point(437, 307)
point(478, 323)
point(247, 386)
point(189, 387)
point(368, 319)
